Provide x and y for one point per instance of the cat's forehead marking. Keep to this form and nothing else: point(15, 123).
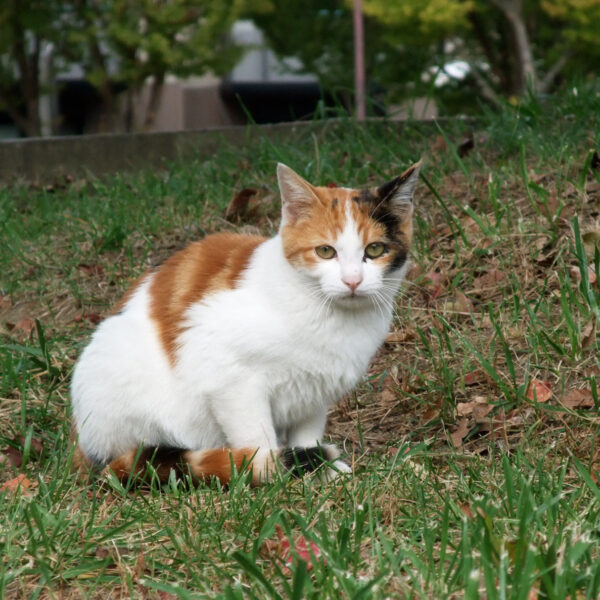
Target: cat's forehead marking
point(345, 208)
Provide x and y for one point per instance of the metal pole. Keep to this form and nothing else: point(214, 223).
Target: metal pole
point(359, 62)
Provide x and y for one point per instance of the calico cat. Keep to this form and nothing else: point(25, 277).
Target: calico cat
point(232, 351)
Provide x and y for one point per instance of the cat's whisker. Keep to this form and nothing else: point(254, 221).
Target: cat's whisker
point(385, 300)
point(406, 282)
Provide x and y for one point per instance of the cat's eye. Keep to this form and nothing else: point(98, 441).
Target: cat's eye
point(375, 250)
point(326, 252)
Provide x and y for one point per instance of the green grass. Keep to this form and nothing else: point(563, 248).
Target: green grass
point(464, 484)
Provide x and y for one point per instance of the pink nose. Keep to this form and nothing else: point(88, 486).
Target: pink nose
point(352, 281)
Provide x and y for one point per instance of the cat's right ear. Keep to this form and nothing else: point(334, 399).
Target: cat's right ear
point(297, 195)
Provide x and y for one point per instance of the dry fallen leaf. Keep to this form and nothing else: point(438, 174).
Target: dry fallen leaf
point(460, 303)
point(590, 239)
point(463, 302)
point(22, 328)
point(439, 145)
point(5, 302)
point(576, 274)
point(479, 409)
point(306, 550)
point(433, 412)
point(533, 594)
point(397, 337)
point(433, 285)
point(89, 270)
point(464, 409)
point(387, 395)
point(93, 318)
point(238, 207)
point(588, 334)
point(577, 399)
point(460, 433)
point(299, 547)
point(13, 456)
point(539, 391)
point(490, 279)
point(414, 271)
point(20, 481)
point(474, 377)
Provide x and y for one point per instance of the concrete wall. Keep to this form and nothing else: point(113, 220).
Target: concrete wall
point(48, 159)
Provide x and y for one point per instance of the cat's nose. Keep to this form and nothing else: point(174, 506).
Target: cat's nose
point(352, 281)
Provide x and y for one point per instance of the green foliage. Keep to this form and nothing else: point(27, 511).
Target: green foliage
point(413, 19)
point(116, 42)
point(580, 19)
point(320, 34)
point(511, 47)
point(150, 39)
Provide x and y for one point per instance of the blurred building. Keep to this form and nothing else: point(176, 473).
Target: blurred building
point(260, 89)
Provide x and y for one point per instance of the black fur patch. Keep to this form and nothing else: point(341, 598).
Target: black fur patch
point(299, 461)
point(387, 189)
point(399, 258)
point(380, 210)
point(163, 459)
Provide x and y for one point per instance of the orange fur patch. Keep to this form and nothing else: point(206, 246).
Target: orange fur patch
point(123, 465)
point(204, 267)
point(218, 463)
point(322, 226)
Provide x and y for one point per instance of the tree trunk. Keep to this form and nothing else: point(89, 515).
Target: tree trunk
point(153, 101)
point(523, 65)
point(105, 122)
point(28, 67)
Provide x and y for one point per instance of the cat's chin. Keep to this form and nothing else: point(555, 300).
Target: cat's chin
point(353, 301)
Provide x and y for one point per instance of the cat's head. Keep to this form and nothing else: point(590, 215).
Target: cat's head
point(352, 243)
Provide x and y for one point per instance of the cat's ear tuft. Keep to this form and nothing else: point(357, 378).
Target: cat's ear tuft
point(399, 191)
point(297, 195)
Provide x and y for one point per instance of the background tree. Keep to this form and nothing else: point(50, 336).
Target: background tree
point(119, 44)
point(128, 43)
point(27, 28)
point(319, 33)
point(511, 46)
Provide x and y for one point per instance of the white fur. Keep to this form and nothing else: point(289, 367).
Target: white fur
point(257, 366)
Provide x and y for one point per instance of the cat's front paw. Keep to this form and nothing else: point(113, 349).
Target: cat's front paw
point(323, 460)
point(336, 467)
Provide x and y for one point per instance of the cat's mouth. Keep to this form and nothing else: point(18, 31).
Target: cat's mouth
point(353, 300)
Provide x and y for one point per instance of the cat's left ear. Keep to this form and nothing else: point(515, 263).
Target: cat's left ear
point(297, 195)
point(398, 192)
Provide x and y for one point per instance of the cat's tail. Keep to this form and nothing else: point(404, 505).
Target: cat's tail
point(221, 463)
